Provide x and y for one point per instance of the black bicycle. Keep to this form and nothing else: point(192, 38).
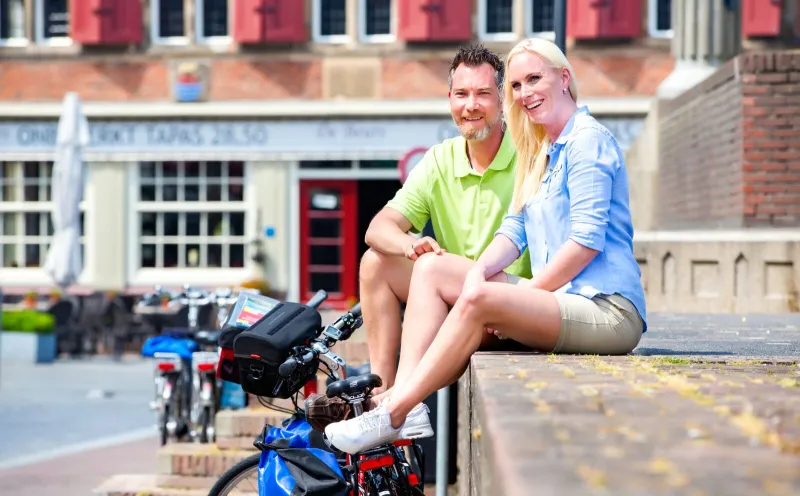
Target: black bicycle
point(395, 469)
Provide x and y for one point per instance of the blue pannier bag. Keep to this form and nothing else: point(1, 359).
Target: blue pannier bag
point(169, 344)
point(295, 461)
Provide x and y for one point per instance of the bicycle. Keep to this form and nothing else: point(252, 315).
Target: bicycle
point(396, 469)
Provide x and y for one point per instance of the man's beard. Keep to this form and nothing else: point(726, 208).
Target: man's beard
point(475, 134)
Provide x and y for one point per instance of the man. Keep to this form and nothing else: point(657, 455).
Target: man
point(463, 186)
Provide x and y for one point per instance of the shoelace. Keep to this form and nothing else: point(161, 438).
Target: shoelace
point(371, 420)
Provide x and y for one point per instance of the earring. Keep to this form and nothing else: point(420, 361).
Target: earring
point(564, 91)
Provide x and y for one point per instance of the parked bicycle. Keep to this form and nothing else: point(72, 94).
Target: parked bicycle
point(394, 469)
point(187, 390)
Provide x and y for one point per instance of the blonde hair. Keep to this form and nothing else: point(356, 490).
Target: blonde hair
point(531, 139)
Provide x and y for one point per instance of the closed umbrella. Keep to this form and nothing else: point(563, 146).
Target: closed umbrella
point(64, 263)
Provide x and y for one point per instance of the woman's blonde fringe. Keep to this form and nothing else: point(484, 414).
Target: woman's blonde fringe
point(531, 139)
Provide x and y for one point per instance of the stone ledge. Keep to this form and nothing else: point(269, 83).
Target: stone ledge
point(632, 425)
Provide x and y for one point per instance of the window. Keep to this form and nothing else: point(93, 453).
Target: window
point(212, 20)
point(167, 22)
point(26, 228)
point(540, 20)
point(375, 21)
point(330, 21)
point(659, 18)
point(12, 23)
point(191, 215)
point(496, 20)
point(52, 21)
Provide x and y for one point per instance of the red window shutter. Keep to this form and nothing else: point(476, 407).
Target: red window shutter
point(259, 21)
point(248, 26)
point(591, 19)
point(105, 21)
point(761, 17)
point(435, 20)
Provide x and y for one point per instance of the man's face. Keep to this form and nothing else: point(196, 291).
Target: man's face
point(475, 101)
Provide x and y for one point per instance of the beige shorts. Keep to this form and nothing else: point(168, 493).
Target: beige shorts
point(603, 325)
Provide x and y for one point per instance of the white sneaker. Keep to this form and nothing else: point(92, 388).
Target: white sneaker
point(367, 431)
point(418, 423)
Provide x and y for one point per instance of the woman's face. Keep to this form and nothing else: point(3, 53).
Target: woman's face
point(536, 87)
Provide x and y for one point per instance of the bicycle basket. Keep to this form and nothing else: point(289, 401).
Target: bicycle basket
point(260, 350)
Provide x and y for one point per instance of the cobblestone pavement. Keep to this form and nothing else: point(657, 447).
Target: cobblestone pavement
point(653, 425)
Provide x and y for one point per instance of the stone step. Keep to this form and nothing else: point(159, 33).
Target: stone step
point(237, 429)
point(198, 460)
point(156, 485)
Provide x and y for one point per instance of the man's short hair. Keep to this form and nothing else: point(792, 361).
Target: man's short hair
point(475, 56)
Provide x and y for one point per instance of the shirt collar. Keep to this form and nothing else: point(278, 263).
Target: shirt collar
point(503, 158)
point(569, 128)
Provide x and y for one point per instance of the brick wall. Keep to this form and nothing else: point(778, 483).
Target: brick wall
point(729, 153)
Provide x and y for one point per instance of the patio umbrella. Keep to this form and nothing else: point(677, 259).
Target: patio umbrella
point(64, 263)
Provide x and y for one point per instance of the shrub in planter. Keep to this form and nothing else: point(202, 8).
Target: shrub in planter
point(28, 329)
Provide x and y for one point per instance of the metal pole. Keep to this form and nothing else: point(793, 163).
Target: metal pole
point(560, 24)
point(442, 438)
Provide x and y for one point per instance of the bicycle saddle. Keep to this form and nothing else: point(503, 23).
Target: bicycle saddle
point(209, 338)
point(353, 386)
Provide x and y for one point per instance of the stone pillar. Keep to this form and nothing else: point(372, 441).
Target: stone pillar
point(706, 33)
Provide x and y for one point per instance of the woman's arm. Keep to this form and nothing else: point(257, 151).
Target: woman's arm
point(592, 162)
point(500, 253)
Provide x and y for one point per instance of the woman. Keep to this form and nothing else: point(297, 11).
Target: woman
point(570, 208)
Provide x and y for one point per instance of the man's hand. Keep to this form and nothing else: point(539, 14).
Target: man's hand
point(423, 246)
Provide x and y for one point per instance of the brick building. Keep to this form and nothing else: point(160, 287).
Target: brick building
point(223, 127)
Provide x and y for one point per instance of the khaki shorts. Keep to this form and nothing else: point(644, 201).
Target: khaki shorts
point(603, 325)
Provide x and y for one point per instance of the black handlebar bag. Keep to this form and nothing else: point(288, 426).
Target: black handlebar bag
point(260, 350)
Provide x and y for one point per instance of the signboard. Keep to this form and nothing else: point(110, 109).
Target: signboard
point(276, 136)
point(410, 160)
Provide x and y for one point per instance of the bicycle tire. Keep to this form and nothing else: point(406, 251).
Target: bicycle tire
point(234, 474)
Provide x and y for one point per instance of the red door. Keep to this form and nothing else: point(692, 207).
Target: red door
point(328, 241)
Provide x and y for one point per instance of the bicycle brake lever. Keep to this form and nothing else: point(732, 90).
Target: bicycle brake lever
point(336, 360)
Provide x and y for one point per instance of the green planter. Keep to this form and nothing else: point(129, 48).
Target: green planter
point(27, 336)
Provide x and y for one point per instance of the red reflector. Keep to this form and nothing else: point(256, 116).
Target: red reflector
point(413, 480)
point(373, 463)
point(166, 367)
point(402, 442)
point(257, 357)
point(205, 367)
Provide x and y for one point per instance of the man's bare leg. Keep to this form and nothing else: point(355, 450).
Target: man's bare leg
point(384, 282)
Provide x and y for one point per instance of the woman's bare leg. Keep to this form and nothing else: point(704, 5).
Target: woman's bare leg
point(527, 315)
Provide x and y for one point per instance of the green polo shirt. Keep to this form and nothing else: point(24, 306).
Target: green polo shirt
point(465, 208)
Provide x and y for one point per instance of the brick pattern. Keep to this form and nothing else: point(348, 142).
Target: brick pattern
point(730, 147)
point(202, 460)
point(400, 76)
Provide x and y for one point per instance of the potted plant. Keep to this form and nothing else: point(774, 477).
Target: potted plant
point(30, 299)
point(28, 334)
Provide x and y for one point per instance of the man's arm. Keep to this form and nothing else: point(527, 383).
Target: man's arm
point(388, 233)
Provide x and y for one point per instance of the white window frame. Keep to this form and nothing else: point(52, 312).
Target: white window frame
point(155, 35)
point(17, 42)
point(198, 26)
point(38, 27)
point(529, 10)
point(389, 37)
point(652, 21)
point(316, 26)
point(483, 12)
point(209, 276)
point(36, 276)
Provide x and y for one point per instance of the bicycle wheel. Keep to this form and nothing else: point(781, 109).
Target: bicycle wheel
point(241, 478)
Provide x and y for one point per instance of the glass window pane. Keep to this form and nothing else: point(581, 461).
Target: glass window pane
point(664, 21)
point(215, 224)
point(148, 224)
point(56, 19)
point(325, 228)
point(326, 164)
point(193, 224)
point(324, 199)
point(215, 18)
point(9, 224)
point(379, 17)
point(148, 255)
point(235, 169)
point(214, 169)
point(235, 192)
point(171, 220)
point(170, 169)
point(32, 191)
point(325, 255)
point(192, 255)
point(32, 224)
point(237, 224)
point(543, 11)
point(324, 280)
point(170, 192)
point(378, 164)
point(12, 19)
point(214, 192)
point(192, 171)
point(147, 170)
point(332, 17)
point(32, 255)
point(30, 170)
point(10, 256)
point(498, 16)
point(237, 255)
point(147, 193)
point(191, 192)
point(170, 17)
point(170, 255)
point(215, 255)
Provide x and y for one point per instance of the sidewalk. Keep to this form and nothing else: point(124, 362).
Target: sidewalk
point(78, 474)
